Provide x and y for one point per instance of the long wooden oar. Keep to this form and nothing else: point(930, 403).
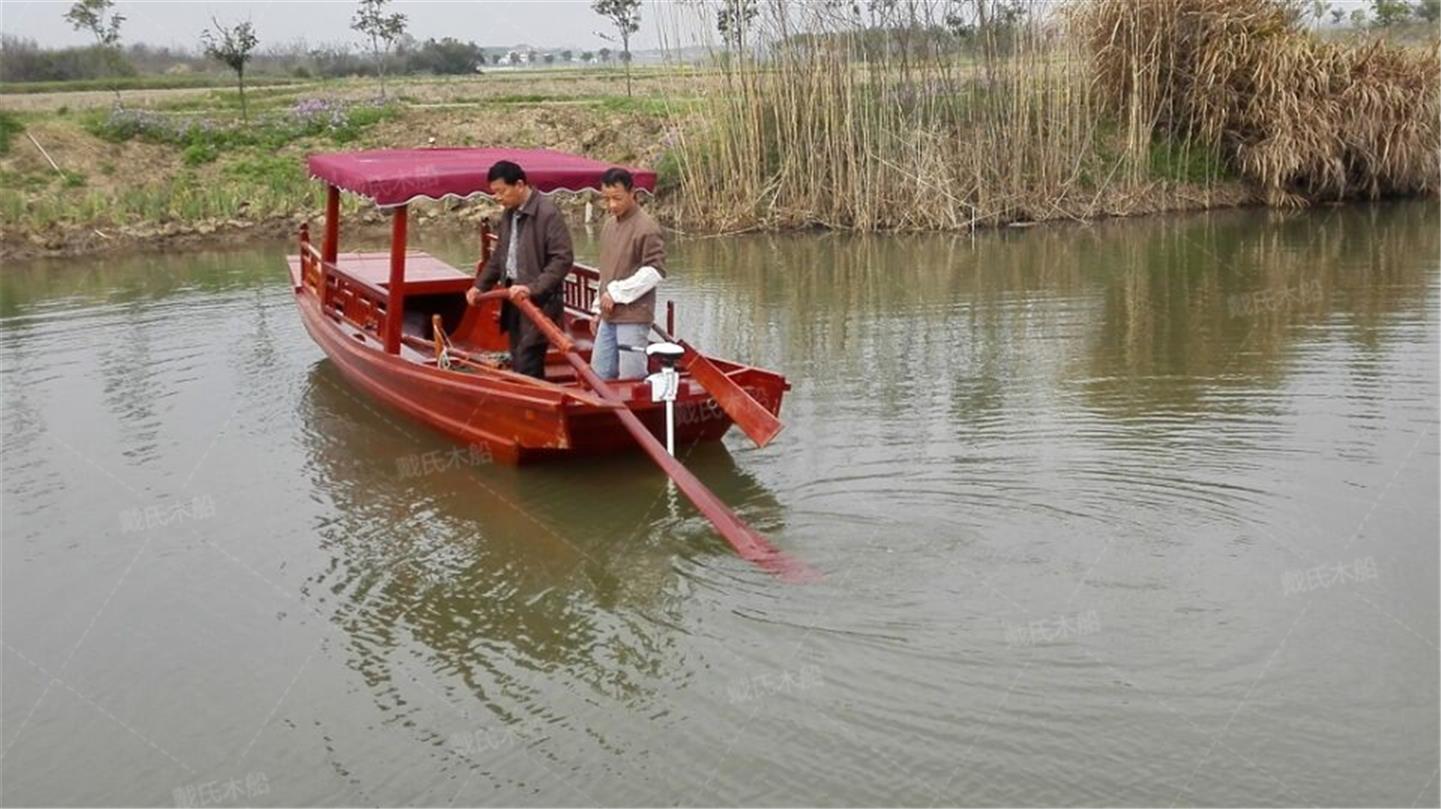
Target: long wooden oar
point(750, 545)
point(748, 414)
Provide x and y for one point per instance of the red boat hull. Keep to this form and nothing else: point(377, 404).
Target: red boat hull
point(517, 419)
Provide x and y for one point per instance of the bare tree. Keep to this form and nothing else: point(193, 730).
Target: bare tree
point(382, 28)
point(1389, 12)
point(96, 17)
point(625, 16)
point(231, 46)
point(732, 20)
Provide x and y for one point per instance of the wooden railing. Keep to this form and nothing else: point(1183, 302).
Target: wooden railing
point(581, 286)
point(340, 296)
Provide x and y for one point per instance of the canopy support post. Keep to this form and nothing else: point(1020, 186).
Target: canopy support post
point(330, 247)
point(395, 303)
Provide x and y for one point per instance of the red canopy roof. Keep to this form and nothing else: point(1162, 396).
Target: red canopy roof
point(397, 176)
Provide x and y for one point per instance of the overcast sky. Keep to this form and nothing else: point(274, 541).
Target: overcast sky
point(544, 23)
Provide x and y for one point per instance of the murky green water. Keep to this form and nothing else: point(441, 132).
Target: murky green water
point(1136, 513)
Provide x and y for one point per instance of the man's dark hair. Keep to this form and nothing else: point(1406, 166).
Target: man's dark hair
point(619, 177)
point(505, 170)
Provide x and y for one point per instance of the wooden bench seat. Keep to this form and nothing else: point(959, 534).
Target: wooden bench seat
point(424, 274)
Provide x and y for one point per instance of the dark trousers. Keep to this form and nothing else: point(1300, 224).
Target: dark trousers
point(527, 343)
point(526, 359)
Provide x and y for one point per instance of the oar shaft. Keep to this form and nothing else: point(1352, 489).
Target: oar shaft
point(750, 545)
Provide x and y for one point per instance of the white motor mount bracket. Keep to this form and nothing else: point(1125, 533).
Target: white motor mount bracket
point(665, 385)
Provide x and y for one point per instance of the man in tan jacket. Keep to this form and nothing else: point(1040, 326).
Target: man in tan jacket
point(532, 256)
point(632, 263)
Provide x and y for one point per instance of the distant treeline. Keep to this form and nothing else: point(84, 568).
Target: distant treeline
point(23, 60)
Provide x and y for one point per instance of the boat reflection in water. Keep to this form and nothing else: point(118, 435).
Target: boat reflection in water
point(505, 577)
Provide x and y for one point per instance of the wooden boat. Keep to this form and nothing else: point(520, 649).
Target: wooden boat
point(397, 326)
point(345, 300)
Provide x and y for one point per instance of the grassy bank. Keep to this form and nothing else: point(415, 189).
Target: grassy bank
point(1074, 119)
point(191, 165)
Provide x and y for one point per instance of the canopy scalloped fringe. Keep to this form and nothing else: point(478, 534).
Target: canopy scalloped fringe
point(466, 197)
point(393, 177)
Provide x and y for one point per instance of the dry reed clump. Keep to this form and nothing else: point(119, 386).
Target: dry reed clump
point(926, 131)
point(1303, 118)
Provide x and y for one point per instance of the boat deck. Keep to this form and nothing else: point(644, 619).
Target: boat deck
point(424, 274)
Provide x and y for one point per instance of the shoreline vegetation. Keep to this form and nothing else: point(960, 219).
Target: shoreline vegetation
point(912, 120)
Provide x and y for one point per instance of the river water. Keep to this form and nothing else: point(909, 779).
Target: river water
point(1139, 512)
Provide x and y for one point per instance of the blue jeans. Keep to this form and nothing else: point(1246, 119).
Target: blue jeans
point(606, 357)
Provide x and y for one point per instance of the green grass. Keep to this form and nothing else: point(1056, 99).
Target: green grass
point(10, 126)
point(530, 98)
point(1185, 163)
point(24, 181)
point(267, 171)
point(138, 83)
point(646, 105)
point(249, 179)
point(226, 81)
point(12, 205)
point(667, 173)
point(256, 99)
point(199, 153)
point(251, 184)
point(203, 137)
point(255, 188)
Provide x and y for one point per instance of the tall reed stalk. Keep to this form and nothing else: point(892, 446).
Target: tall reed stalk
point(949, 114)
point(902, 123)
point(1303, 118)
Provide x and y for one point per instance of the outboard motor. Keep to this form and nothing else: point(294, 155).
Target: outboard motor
point(665, 385)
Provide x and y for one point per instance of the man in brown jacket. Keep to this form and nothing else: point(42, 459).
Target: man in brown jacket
point(632, 263)
point(532, 256)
